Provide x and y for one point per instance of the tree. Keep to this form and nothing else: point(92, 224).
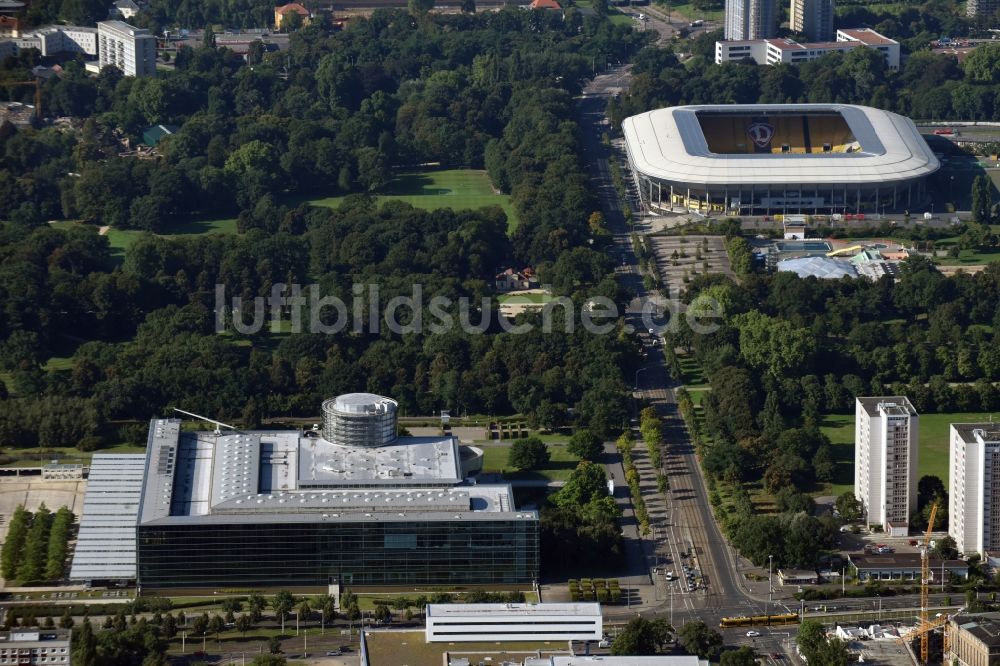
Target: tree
point(66, 621)
point(469, 6)
point(697, 638)
point(818, 649)
point(744, 656)
point(274, 645)
point(642, 637)
point(382, 613)
point(303, 611)
point(420, 7)
point(527, 454)
point(848, 507)
point(587, 482)
point(200, 624)
point(273, 659)
point(945, 549)
point(84, 650)
point(216, 624)
point(36, 547)
point(585, 445)
point(13, 548)
point(283, 604)
point(982, 199)
point(244, 624)
point(208, 38)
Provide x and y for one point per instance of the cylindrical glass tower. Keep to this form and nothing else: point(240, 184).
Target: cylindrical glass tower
point(359, 419)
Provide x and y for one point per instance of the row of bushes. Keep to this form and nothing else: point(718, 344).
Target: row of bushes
point(652, 434)
point(603, 591)
point(470, 597)
point(624, 444)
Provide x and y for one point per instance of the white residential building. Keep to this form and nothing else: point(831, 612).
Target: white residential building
point(814, 18)
point(130, 49)
point(885, 461)
point(751, 19)
point(974, 486)
point(53, 39)
point(788, 51)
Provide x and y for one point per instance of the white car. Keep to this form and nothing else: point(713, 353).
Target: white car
point(753, 633)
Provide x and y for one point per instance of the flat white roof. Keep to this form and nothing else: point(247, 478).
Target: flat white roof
point(659, 660)
point(513, 610)
point(669, 145)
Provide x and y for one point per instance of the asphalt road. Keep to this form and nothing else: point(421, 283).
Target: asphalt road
point(688, 527)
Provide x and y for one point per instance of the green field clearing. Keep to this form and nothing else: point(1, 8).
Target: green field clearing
point(933, 455)
point(456, 189)
point(559, 467)
point(686, 10)
point(121, 239)
point(64, 454)
point(968, 258)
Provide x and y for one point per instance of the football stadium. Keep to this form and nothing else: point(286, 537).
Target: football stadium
point(754, 159)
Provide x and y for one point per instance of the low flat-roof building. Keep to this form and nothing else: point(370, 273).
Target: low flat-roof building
point(28, 648)
point(454, 623)
point(797, 577)
point(788, 51)
point(903, 566)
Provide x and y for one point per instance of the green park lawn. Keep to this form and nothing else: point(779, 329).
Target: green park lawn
point(456, 189)
point(559, 467)
point(686, 10)
point(121, 239)
point(933, 452)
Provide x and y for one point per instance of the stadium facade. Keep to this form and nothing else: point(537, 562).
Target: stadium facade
point(294, 509)
point(753, 159)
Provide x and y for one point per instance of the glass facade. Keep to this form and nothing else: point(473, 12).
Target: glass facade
point(447, 552)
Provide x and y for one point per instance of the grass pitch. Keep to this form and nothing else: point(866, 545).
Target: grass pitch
point(456, 189)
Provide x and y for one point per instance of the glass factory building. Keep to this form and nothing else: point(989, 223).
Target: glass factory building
point(292, 509)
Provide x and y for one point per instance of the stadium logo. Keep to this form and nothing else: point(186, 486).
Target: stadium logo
point(761, 134)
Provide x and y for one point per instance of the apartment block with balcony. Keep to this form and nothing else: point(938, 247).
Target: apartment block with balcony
point(886, 433)
point(130, 49)
point(974, 485)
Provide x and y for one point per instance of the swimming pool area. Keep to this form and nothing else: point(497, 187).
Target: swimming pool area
point(803, 246)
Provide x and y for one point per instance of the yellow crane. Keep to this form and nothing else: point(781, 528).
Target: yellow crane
point(38, 93)
point(927, 625)
point(925, 582)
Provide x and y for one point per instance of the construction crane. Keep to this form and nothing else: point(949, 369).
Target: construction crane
point(927, 625)
point(925, 582)
point(38, 93)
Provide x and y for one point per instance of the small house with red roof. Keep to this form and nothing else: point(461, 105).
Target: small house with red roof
point(280, 13)
point(545, 4)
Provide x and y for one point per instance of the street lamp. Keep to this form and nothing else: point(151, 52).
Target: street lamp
point(770, 587)
point(636, 383)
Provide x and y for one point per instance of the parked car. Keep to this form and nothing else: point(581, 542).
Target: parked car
point(753, 633)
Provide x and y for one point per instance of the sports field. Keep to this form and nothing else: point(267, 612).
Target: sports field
point(456, 189)
point(932, 457)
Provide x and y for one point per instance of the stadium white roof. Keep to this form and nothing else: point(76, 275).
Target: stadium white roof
point(669, 145)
